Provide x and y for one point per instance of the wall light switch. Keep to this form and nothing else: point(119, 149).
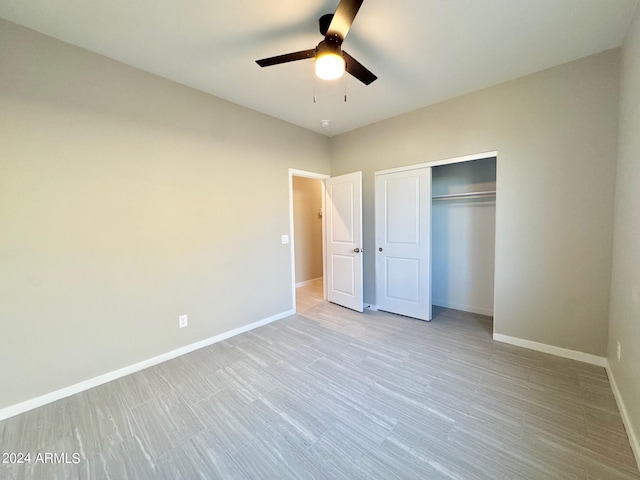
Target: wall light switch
point(619, 351)
point(285, 239)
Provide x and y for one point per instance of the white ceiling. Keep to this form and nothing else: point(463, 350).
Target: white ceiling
point(423, 51)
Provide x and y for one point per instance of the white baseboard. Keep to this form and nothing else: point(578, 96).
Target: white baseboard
point(307, 282)
point(464, 308)
point(557, 351)
point(122, 372)
point(634, 439)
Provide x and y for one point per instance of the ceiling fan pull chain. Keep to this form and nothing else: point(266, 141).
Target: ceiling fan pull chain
point(345, 88)
point(314, 89)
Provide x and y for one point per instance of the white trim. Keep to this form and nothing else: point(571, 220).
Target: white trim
point(303, 173)
point(320, 176)
point(136, 367)
point(553, 350)
point(495, 251)
point(324, 240)
point(435, 163)
point(308, 282)
point(634, 439)
point(464, 308)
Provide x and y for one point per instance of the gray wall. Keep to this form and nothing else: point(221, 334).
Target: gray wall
point(126, 200)
point(307, 227)
point(463, 237)
point(555, 132)
point(625, 283)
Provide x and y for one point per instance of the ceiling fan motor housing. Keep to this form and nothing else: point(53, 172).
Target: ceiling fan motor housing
point(324, 22)
point(326, 47)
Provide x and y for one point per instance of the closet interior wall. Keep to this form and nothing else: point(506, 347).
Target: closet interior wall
point(463, 235)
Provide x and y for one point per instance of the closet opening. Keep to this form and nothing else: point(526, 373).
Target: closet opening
point(463, 219)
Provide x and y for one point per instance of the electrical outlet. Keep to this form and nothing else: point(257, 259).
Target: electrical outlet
point(183, 321)
point(619, 352)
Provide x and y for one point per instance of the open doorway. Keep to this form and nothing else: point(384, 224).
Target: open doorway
point(307, 192)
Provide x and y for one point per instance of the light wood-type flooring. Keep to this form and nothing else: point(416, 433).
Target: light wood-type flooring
point(334, 394)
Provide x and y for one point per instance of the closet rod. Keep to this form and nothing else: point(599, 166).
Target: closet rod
point(490, 193)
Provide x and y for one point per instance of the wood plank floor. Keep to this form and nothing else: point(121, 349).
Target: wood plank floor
point(333, 394)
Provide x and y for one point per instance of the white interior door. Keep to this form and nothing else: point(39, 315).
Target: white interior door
point(344, 240)
point(403, 237)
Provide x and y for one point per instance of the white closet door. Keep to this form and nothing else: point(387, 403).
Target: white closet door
point(344, 240)
point(403, 236)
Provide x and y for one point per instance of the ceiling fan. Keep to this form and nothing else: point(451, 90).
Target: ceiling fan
point(331, 60)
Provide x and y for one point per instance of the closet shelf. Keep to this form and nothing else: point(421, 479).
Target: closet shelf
point(489, 193)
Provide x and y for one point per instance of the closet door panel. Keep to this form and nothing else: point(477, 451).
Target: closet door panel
point(403, 218)
point(402, 277)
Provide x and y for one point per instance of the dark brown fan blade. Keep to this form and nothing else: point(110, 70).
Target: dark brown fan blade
point(288, 57)
point(358, 70)
point(342, 19)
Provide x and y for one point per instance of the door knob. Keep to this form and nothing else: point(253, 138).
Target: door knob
point(379, 249)
point(357, 250)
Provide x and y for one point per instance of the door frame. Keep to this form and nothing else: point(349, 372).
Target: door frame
point(436, 163)
point(318, 176)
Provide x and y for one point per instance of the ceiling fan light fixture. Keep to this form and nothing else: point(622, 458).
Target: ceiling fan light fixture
point(329, 61)
point(330, 66)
